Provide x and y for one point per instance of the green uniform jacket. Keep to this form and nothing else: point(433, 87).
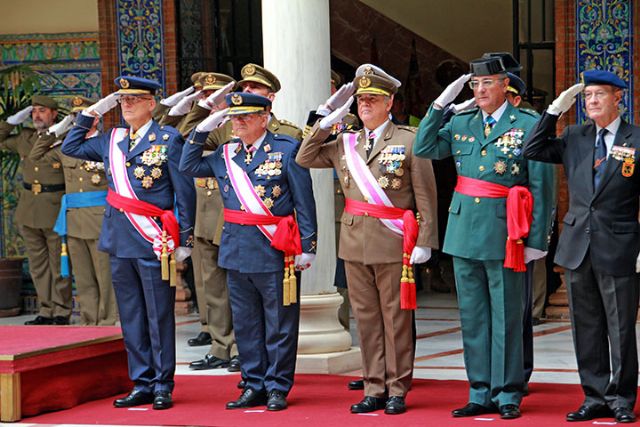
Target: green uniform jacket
point(34, 210)
point(80, 176)
point(477, 227)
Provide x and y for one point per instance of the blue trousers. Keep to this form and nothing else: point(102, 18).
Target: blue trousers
point(266, 331)
point(146, 306)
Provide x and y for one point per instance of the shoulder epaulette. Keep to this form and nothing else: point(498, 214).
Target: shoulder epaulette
point(530, 112)
point(411, 129)
point(288, 123)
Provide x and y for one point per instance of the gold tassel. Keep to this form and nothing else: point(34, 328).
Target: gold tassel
point(173, 273)
point(405, 278)
point(293, 287)
point(164, 258)
point(285, 286)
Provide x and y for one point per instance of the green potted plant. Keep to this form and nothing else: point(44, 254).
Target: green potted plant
point(17, 85)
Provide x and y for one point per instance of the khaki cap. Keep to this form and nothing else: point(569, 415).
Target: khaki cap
point(258, 74)
point(44, 101)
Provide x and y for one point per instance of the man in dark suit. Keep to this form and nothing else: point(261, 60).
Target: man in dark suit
point(599, 243)
point(140, 231)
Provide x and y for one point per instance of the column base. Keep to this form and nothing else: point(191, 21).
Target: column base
point(329, 363)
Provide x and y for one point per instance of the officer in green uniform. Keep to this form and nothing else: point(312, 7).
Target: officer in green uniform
point(38, 207)
point(79, 223)
point(486, 144)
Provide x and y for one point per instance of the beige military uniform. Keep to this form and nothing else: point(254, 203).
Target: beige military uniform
point(373, 253)
point(91, 268)
point(35, 217)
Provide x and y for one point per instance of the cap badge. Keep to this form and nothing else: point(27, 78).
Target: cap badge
point(210, 79)
point(364, 82)
point(124, 83)
point(77, 101)
point(249, 70)
point(367, 71)
point(236, 99)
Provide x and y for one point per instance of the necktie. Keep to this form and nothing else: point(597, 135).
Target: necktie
point(488, 125)
point(369, 145)
point(249, 156)
point(599, 158)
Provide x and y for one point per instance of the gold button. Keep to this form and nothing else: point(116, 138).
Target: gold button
point(35, 181)
point(35, 168)
point(458, 152)
point(483, 152)
point(191, 142)
point(481, 168)
point(510, 156)
point(81, 190)
point(128, 164)
point(366, 214)
point(208, 193)
point(477, 200)
point(121, 210)
point(81, 179)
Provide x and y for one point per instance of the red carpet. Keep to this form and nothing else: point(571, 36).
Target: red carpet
point(318, 400)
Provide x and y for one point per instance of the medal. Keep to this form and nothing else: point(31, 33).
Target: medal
point(260, 190)
point(276, 191)
point(156, 172)
point(95, 178)
point(515, 169)
point(383, 181)
point(268, 202)
point(500, 167)
point(147, 182)
point(628, 167)
point(138, 172)
point(396, 183)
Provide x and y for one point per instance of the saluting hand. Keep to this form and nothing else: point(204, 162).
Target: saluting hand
point(102, 106)
point(337, 115)
point(336, 100)
point(212, 121)
point(464, 105)
point(172, 100)
point(20, 116)
point(565, 100)
point(452, 91)
point(184, 105)
point(216, 97)
point(60, 128)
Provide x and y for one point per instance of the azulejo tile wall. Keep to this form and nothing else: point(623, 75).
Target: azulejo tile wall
point(605, 41)
point(140, 39)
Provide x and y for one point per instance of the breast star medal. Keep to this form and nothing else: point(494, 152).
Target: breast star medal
point(396, 183)
point(156, 173)
point(138, 172)
point(276, 191)
point(260, 190)
point(500, 167)
point(268, 202)
point(147, 181)
point(95, 179)
point(383, 181)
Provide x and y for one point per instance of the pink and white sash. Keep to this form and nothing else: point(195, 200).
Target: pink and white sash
point(145, 225)
point(243, 187)
point(366, 182)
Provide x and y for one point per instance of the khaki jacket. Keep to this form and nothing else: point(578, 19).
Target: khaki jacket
point(366, 239)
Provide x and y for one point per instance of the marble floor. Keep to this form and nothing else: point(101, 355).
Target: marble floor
point(439, 344)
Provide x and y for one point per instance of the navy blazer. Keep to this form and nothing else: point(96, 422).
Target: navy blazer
point(171, 191)
point(245, 248)
point(603, 222)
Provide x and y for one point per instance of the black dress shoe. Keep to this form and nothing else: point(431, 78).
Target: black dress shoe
point(509, 412)
point(368, 404)
point(234, 365)
point(40, 320)
point(471, 410)
point(624, 415)
point(586, 413)
point(203, 338)
point(135, 398)
point(209, 362)
point(242, 384)
point(395, 405)
point(356, 385)
point(277, 401)
point(162, 400)
point(60, 320)
point(248, 399)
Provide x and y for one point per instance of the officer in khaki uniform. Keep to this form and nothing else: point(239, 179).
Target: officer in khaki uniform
point(161, 112)
point(372, 251)
point(79, 223)
point(488, 257)
point(37, 209)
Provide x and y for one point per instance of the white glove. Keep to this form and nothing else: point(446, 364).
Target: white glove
point(60, 128)
point(184, 105)
point(336, 116)
point(532, 254)
point(20, 116)
point(182, 253)
point(102, 106)
point(420, 254)
point(337, 99)
point(216, 97)
point(172, 100)
point(212, 121)
point(464, 105)
point(638, 264)
point(565, 100)
point(304, 260)
point(451, 92)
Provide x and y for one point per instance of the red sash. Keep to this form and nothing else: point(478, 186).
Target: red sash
point(138, 207)
point(409, 238)
point(519, 214)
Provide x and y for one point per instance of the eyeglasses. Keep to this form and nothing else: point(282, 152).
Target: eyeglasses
point(130, 99)
point(473, 84)
point(598, 95)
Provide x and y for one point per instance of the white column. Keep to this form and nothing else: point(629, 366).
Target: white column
point(295, 38)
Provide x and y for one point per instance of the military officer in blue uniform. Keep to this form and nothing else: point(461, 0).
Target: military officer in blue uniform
point(488, 257)
point(140, 230)
point(257, 172)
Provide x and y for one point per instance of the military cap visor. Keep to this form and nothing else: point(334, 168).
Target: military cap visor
point(601, 77)
point(79, 103)
point(136, 86)
point(246, 103)
point(374, 85)
point(487, 66)
point(516, 85)
point(257, 74)
point(44, 101)
point(214, 81)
